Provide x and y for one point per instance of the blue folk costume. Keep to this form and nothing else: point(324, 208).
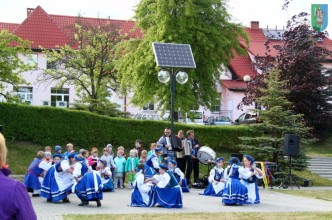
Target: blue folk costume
point(141, 193)
point(179, 175)
point(31, 179)
point(235, 193)
point(57, 183)
point(151, 165)
point(167, 193)
point(251, 182)
point(215, 188)
point(89, 187)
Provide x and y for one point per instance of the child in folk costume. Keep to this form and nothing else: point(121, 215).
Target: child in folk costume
point(217, 179)
point(106, 176)
point(172, 167)
point(93, 159)
point(58, 182)
point(131, 164)
point(152, 163)
point(140, 195)
point(88, 184)
point(167, 192)
point(120, 162)
point(31, 179)
point(56, 158)
point(234, 193)
point(250, 179)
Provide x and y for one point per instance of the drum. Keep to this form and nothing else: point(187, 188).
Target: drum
point(205, 155)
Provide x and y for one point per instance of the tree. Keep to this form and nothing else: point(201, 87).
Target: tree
point(300, 58)
point(11, 65)
point(88, 64)
point(277, 120)
point(205, 25)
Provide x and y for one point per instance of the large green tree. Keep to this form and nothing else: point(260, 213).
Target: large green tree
point(277, 119)
point(205, 25)
point(11, 65)
point(88, 64)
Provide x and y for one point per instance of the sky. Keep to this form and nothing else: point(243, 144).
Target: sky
point(269, 13)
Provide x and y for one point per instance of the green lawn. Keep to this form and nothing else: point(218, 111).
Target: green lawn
point(320, 148)
point(210, 216)
point(316, 194)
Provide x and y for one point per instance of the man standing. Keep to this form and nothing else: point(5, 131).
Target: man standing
point(166, 142)
point(195, 147)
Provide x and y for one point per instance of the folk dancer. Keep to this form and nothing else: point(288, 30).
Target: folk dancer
point(167, 192)
point(140, 195)
point(234, 193)
point(88, 184)
point(172, 167)
point(106, 176)
point(250, 179)
point(34, 175)
point(58, 182)
point(152, 163)
point(217, 179)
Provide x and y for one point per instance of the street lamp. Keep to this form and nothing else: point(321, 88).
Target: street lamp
point(181, 77)
point(247, 78)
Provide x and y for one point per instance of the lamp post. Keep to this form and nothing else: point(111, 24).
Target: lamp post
point(181, 77)
point(247, 78)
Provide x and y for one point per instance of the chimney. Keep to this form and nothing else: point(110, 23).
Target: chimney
point(29, 10)
point(254, 25)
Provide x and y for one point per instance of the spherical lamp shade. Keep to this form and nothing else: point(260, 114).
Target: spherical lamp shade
point(246, 78)
point(163, 76)
point(181, 77)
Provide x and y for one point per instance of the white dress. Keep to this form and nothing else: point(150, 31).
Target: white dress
point(217, 186)
point(253, 196)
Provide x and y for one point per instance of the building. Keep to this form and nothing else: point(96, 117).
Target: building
point(48, 30)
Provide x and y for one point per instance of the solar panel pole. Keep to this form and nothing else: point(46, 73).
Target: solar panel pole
point(172, 100)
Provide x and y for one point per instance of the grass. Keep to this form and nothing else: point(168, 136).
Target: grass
point(315, 194)
point(320, 148)
point(210, 216)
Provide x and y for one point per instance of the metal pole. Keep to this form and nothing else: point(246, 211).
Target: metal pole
point(172, 100)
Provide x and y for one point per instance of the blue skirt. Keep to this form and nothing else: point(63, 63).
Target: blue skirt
point(137, 199)
point(109, 186)
point(184, 185)
point(85, 188)
point(209, 191)
point(166, 197)
point(149, 171)
point(50, 189)
point(31, 181)
point(235, 193)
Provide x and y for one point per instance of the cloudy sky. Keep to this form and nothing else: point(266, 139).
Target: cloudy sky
point(267, 12)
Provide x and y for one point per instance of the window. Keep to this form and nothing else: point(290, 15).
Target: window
point(33, 60)
point(148, 107)
point(216, 106)
point(60, 97)
point(24, 93)
point(51, 65)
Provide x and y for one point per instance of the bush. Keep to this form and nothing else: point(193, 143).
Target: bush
point(54, 126)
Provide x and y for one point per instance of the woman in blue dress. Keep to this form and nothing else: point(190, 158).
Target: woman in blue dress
point(216, 179)
point(140, 195)
point(250, 177)
point(234, 193)
point(167, 192)
point(88, 184)
point(58, 182)
point(179, 175)
point(152, 163)
point(33, 176)
point(105, 175)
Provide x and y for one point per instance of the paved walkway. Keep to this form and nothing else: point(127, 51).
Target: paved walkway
point(321, 166)
point(117, 203)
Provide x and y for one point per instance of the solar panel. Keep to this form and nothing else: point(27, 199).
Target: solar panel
point(173, 55)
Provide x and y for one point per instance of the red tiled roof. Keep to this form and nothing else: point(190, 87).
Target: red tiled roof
point(234, 84)
point(242, 66)
point(8, 26)
point(50, 31)
point(39, 28)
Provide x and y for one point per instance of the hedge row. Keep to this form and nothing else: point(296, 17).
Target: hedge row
point(54, 126)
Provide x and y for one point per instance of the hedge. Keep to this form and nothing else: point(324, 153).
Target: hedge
point(53, 126)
